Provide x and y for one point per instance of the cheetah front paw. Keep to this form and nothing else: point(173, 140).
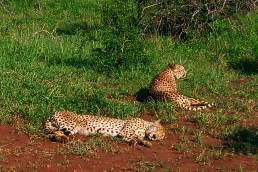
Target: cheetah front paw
point(58, 136)
point(146, 143)
point(137, 143)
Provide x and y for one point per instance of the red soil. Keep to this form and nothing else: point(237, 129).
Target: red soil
point(241, 81)
point(19, 152)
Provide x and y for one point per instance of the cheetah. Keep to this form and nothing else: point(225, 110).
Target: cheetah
point(134, 130)
point(163, 87)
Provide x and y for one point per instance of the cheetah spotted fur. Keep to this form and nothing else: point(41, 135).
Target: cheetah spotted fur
point(136, 130)
point(163, 87)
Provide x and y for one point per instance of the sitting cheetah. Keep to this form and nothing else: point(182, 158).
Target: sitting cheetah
point(163, 86)
point(136, 130)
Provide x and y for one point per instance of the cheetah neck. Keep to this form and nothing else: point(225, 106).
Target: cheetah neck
point(170, 78)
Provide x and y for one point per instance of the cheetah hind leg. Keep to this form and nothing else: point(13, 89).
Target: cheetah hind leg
point(58, 136)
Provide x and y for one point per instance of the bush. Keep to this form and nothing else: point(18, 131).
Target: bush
point(122, 44)
point(180, 17)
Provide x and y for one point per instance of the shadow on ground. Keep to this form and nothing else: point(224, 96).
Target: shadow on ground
point(142, 95)
point(72, 28)
point(246, 66)
point(81, 62)
point(243, 140)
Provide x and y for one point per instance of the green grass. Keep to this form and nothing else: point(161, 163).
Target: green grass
point(85, 148)
point(142, 165)
point(47, 64)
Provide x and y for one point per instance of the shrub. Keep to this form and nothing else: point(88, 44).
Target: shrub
point(180, 17)
point(122, 44)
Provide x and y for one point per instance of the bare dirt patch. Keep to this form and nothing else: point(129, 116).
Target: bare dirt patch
point(241, 81)
point(178, 152)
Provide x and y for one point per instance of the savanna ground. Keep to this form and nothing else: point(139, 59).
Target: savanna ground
point(51, 60)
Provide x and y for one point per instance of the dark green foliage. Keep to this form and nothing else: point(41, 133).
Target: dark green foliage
point(122, 44)
point(243, 140)
point(181, 18)
point(72, 28)
point(246, 65)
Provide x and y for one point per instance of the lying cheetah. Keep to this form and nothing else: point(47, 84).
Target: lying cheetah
point(163, 87)
point(136, 130)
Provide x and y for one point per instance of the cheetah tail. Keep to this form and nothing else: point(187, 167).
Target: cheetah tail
point(192, 104)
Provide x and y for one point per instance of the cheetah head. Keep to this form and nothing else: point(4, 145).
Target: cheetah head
point(178, 70)
point(155, 131)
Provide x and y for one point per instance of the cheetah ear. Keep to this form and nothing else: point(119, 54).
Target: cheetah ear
point(172, 66)
point(158, 121)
